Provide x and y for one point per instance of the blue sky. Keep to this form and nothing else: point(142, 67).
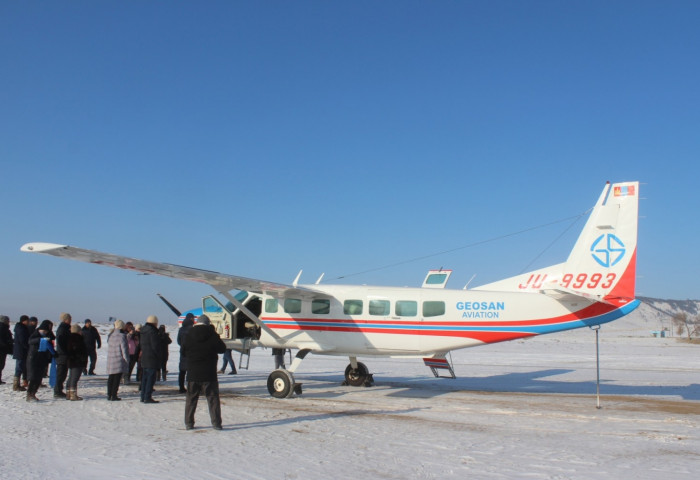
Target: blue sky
point(260, 138)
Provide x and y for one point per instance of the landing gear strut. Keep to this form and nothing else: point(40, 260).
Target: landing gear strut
point(358, 376)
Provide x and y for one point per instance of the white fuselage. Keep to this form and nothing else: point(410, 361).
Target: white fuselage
point(365, 320)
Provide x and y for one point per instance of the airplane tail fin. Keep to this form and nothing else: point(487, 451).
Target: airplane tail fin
point(602, 264)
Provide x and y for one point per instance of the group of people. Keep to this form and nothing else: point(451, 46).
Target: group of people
point(35, 347)
point(71, 351)
point(129, 346)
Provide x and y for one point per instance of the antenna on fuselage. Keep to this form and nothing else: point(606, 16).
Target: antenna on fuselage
point(470, 281)
point(296, 280)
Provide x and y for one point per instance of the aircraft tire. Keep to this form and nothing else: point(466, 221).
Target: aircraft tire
point(280, 384)
point(356, 376)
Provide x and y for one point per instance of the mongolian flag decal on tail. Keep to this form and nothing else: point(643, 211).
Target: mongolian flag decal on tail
point(624, 191)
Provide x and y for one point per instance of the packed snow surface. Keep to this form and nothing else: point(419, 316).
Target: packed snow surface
point(521, 409)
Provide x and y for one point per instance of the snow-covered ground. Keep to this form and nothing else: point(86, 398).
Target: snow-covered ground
point(522, 409)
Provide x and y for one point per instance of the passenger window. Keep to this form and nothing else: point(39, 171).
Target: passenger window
point(406, 308)
point(352, 307)
point(321, 307)
point(271, 305)
point(292, 305)
point(379, 307)
point(433, 309)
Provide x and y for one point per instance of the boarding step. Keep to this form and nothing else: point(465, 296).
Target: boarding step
point(245, 354)
point(439, 365)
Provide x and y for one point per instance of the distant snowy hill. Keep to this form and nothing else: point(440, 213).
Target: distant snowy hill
point(654, 314)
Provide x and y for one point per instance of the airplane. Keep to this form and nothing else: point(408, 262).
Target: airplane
point(595, 285)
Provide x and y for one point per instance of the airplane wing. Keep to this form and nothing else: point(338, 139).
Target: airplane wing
point(220, 281)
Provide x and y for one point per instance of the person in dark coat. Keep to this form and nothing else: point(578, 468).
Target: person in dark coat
point(62, 336)
point(39, 355)
point(19, 352)
point(150, 358)
point(31, 326)
point(187, 324)
point(77, 361)
point(6, 342)
point(201, 349)
point(165, 342)
point(92, 340)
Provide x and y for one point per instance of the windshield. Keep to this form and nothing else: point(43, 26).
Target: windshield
point(240, 296)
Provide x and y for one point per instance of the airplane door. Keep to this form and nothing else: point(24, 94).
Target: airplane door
point(220, 316)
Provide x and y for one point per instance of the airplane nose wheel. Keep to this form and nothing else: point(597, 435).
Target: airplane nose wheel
point(280, 384)
point(359, 376)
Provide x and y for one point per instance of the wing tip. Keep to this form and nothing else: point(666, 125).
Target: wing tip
point(40, 247)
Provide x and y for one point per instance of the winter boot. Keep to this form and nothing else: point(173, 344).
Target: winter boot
point(16, 387)
point(74, 395)
point(31, 397)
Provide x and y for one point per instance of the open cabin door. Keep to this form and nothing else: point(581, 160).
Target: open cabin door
point(221, 318)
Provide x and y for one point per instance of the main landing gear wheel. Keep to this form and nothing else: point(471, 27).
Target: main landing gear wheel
point(359, 376)
point(280, 384)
